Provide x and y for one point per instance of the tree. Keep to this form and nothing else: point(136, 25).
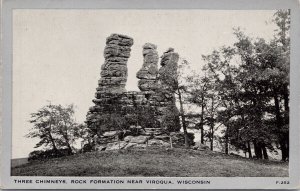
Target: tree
point(55, 126)
point(198, 89)
point(173, 79)
point(282, 44)
point(219, 77)
point(85, 134)
point(253, 92)
point(264, 81)
point(66, 126)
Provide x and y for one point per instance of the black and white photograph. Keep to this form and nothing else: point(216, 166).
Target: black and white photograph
point(150, 93)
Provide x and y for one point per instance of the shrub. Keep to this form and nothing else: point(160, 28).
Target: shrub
point(47, 154)
point(88, 147)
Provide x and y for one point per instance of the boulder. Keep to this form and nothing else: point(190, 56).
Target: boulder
point(162, 137)
point(116, 145)
point(156, 142)
point(139, 139)
point(100, 148)
point(146, 85)
point(199, 146)
point(119, 39)
point(135, 127)
point(130, 145)
point(140, 146)
point(149, 46)
point(128, 138)
point(110, 133)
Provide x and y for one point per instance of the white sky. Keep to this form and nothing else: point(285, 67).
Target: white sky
point(57, 54)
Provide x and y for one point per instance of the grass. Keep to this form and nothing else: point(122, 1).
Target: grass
point(153, 162)
point(18, 161)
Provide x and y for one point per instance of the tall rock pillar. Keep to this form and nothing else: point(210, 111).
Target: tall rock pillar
point(114, 70)
point(148, 73)
point(167, 82)
point(111, 85)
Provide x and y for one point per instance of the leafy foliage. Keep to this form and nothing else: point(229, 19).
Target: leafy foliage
point(245, 89)
point(55, 127)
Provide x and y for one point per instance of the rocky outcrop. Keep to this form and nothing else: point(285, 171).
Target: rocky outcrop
point(114, 70)
point(153, 108)
point(142, 141)
point(167, 76)
point(148, 73)
point(111, 85)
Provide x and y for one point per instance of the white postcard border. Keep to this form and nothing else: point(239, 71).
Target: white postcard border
point(8, 181)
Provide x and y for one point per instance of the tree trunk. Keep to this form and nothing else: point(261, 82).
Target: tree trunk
point(212, 125)
point(257, 150)
point(184, 126)
point(226, 142)
point(287, 147)
point(69, 148)
point(265, 153)
point(171, 142)
point(67, 139)
point(52, 141)
point(202, 120)
point(186, 141)
point(284, 150)
point(277, 111)
point(202, 133)
point(286, 107)
point(249, 149)
point(49, 131)
point(286, 99)
point(279, 127)
point(212, 137)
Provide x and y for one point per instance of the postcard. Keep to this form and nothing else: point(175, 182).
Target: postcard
point(150, 94)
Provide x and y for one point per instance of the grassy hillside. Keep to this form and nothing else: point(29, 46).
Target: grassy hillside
point(153, 162)
point(18, 161)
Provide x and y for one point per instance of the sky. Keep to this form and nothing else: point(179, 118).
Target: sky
point(57, 54)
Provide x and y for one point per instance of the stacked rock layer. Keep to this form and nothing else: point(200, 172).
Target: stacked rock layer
point(148, 73)
point(167, 77)
point(111, 85)
point(168, 71)
point(156, 93)
point(114, 70)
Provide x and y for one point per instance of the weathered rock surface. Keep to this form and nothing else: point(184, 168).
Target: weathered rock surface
point(114, 70)
point(109, 133)
point(156, 142)
point(148, 73)
point(116, 145)
point(168, 72)
point(139, 139)
point(156, 97)
point(199, 146)
point(130, 145)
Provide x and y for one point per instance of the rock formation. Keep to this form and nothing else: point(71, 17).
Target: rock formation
point(168, 71)
point(113, 79)
point(114, 70)
point(167, 77)
point(154, 104)
point(148, 73)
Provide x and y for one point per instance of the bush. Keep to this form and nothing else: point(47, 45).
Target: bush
point(88, 147)
point(47, 154)
point(178, 139)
